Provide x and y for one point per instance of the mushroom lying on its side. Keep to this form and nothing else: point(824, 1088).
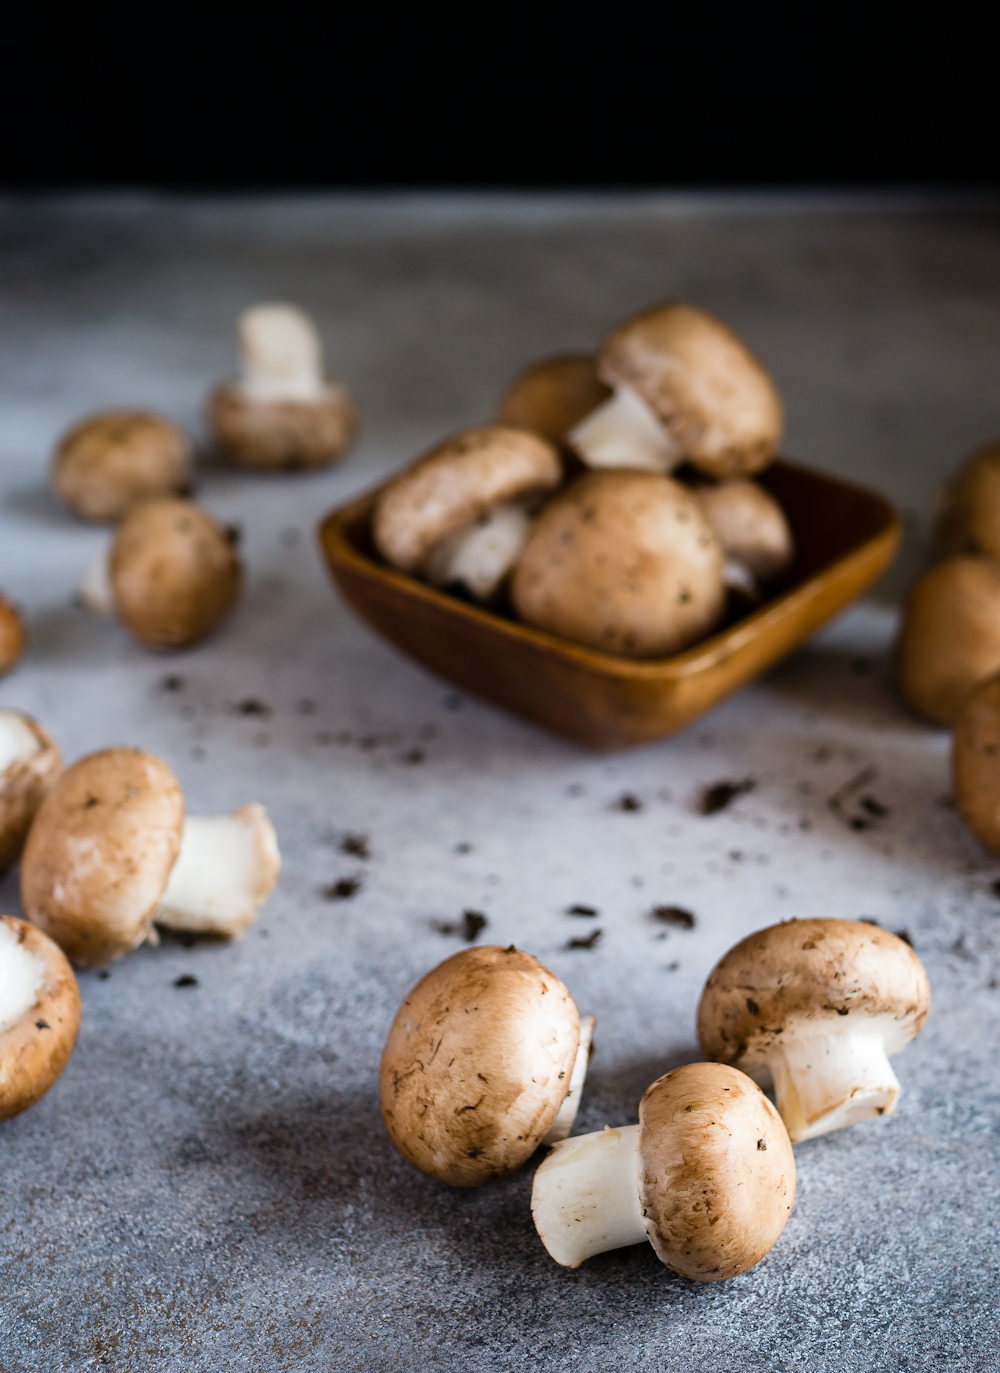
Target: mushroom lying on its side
point(29, 764)
point(284, 414)
point(109, 462)
point(950, 636)
point(11, 635)
point(622, 561)
point(707, 1176)
point(553, 395)
point(685, 387)
point(975, 763)
point(752, 529)
point(460, 514)
point(817, 1006)
point(39, 1015)
point(111, 852)
point(968, 519)
point(485, 1059)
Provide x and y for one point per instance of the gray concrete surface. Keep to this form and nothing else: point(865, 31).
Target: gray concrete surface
point(209, 1185)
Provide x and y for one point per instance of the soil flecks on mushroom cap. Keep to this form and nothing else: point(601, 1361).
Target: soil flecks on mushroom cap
point(719, 795)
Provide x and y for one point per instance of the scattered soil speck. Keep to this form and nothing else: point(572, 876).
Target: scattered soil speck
point(722, 794)
point(904, 935)
point(469, 927)
point(414, 755)
point(42, 1025)
point(185, 980)
point(343, 889)
point(589, 941)
point(171, 683)
point(463, 848)
point(103, 974)
point(675, 915)
point(252, 705)
point(627, 802)
point(356, 844)
point(672, 967)
point(581, 910)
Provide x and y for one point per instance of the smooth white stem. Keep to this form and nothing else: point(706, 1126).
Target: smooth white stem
point(227, 867)
point(563, 1122)
point(624, 432)
point(480, 555)
point(95, 585)
point(282, 354)
point(827, 1081)
point(585, 1197)
point(21, 976)
point(18, 741)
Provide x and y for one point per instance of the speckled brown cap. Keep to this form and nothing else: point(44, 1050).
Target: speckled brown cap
point(109, 462)
point(282, 435)
point(716, 1171)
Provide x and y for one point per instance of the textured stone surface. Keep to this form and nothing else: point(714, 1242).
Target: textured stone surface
point(209, 1185)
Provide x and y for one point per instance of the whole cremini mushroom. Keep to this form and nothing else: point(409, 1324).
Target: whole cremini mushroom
point(685, 388)
point(29, 764)
point(284, 414)
point(817, 1007)
point(751, 527)
point(111, 852)
point(950, 636)
point(39, 1015)
point(975, 762)
point(707, 1176)
point(485, 1058)
point(109, 462)
point(11, 635)
point(968, 519)
point(461, 513)
point(553, 395)
point(622, 561)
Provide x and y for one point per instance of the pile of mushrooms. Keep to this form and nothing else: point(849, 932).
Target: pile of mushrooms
point(634, 558)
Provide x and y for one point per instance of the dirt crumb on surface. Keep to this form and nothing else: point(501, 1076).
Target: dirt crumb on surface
point(343, 889)
point(718, 795)
point(589, 941)
point(677, 916)
point(581, 910)
point(357, 845)
point(469, 928)
point(627, 802)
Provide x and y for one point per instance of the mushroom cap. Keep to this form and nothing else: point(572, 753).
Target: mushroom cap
point(282, 435)
point(716, 1171)
point(968, 519)
point(457, 482)
point(11, 635)
point(175, 573)
point(477, 1064)
point(709, 391)
point(950, 636)
point(975, 762)
point(622, 561)
point(35, 1045)
point(29, 764)
point(809, 976)
point(100, 851)
point(749, 524)
point(109, 462)
point(553, 395)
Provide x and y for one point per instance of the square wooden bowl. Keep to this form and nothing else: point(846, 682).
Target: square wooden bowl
point(845, 536)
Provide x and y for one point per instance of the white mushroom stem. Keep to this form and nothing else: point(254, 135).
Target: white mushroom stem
point(480, 555)
point(226, 869)
point(95, 585)
point(18, 741)
point(585, 1197)
point(282, 354)
point(21, 977)
point(624, 432)
point(827, 1081)
point(566, 1114)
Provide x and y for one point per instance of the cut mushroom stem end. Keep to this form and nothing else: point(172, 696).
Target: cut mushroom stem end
point(95, 585)
point(624, 432)
point(566, 1114)
point(585, 1196)
point(227, 867)
point(828, 1081)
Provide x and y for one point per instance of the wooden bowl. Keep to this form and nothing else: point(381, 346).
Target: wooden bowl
point(845, 536)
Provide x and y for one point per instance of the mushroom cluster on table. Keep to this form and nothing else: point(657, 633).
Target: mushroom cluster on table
point(640, 555)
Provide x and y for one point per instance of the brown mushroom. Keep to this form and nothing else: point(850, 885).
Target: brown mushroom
point(707, 1176)
point(750, 525)
point(817, 1006)
point(622, 561)
point(175, 573)
point(969, 513)
point(950, 636)
point(284, 414)
point(685, 387)
point(109, 462)
point(11, 635)
point(552, 396)
point(110, 852)
point(975, 762)
point(39, 1015)
point(478, 1063)
point(29, 764)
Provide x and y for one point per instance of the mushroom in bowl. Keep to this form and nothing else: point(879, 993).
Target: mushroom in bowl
point(111, 852)
point(11, 635)
point(109, 462)
point(283, 414)
point(707, 1177)
point(817, 1007)
point(39, 1014)
point(29, 764)
point(552, 396)
point(485, 1060)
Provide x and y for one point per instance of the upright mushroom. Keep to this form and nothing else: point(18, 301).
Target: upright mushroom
point(29, 764)
point(39, 1015)
point(284, 413)
point(707, 1176)
point(480, 1060)
point(685, 388)
point(109, 462)
point(11, 636)
point(111, 852)
point(622, 561)
point(461, 514)
point(817, 1007)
